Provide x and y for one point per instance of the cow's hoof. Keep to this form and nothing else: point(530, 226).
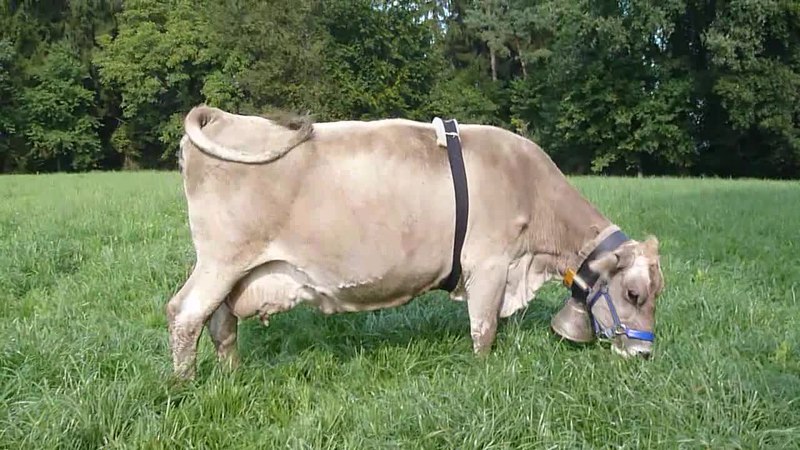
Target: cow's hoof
point(230, 362)
point(178, 381)
point(182, 375)
point(482, 351)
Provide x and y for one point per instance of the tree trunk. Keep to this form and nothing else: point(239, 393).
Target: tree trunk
point(522, 61)
point(493, 60)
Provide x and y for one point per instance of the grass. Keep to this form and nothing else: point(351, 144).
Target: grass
point(88, 261)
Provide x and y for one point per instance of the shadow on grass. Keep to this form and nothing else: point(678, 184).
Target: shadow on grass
point(431, 321)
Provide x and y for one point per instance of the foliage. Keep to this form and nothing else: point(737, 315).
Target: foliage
point(57, 111)
point(689, 87)
point(8, 100)
point(268, 55)
point(614, 100)
point(376, 60)
point(156, 63)
point(755, 56)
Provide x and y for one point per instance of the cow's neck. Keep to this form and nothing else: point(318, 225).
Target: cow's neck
point(581, 228)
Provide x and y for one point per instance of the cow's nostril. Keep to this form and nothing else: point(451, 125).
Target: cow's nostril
point(644, 354)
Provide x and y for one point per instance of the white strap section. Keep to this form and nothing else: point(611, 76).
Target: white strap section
point(441, 136)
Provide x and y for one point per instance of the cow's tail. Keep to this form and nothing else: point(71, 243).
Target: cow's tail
point(280, 141)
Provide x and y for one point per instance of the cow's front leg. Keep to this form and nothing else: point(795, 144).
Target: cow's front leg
point(223, 327)
point(484, 295)
point(189, 309)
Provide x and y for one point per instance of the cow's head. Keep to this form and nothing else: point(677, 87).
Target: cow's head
point(619, 300)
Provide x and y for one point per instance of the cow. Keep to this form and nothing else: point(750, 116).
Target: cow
point(355, 216)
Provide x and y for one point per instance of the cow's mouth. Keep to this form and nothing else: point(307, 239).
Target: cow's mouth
point(631, 348)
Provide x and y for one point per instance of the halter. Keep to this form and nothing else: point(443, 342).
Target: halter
point(582, 283)
point(618, 328)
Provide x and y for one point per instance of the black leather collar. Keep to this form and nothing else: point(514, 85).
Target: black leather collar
point(587, 275)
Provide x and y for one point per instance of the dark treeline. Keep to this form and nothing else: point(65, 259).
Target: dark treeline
point(688, 87)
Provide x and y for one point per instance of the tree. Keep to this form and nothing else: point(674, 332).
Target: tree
point(490, 18)
point(8, 102)
point(156, 63)
point(754, 62)
point(606, 97)
point(271, 53)
point(58, 111)
point(380, 60)
point(605, 86)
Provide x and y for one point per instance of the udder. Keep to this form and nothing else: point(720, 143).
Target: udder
point(280, 286)
point(267, 290)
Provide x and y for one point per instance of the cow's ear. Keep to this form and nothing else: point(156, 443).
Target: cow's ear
point(605, 265)
point(650, 247)
point(613, 261)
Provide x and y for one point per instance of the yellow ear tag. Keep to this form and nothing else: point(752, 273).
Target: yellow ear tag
point(569, 276)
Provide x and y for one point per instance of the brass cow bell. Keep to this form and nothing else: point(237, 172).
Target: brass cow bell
point(573, 323)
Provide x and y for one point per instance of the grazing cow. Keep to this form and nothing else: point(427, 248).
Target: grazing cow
point(357, 216)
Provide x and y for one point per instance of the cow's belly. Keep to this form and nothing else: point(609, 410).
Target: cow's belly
point(280, 286)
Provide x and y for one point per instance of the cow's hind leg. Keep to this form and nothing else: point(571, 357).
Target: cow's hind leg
point(190, 308)
point(223, 328)
point(484, 295)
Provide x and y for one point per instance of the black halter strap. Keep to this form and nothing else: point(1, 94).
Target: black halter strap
point(462, 200)
point(611, 243)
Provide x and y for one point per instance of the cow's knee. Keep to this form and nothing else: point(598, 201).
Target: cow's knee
point(484, 296)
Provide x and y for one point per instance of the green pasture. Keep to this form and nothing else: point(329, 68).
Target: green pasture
point(87, 263)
